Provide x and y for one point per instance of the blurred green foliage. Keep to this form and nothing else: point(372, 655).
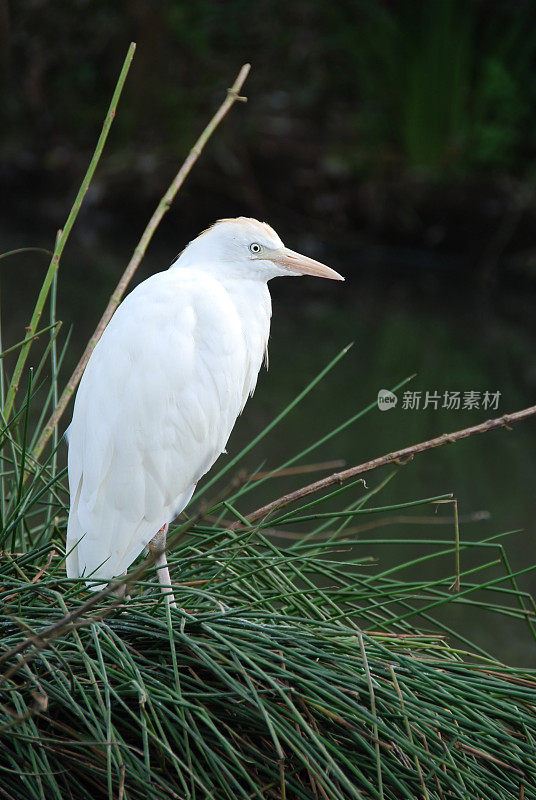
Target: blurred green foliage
point(439, 86)
point(444, 84)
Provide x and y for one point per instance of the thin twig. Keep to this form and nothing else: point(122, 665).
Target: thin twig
point(43, 569)
point(62, 238)
point(455, 586)
point(233, 95)
point(488, 757)
point(20, 250)
point(297, 470)
point(398, 456)
point(396, 519)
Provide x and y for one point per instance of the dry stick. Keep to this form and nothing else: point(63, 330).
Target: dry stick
point(232, 97)
point(64, 235)
point(397, 457)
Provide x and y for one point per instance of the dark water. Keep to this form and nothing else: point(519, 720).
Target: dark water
point(401, 322)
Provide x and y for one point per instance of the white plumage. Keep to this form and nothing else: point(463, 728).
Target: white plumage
point(163, 388)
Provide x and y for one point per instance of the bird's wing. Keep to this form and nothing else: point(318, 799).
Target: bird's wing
point(154, 410)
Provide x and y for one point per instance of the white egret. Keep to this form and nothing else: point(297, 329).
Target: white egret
point(163, 389)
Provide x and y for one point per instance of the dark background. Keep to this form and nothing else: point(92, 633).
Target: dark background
point(393, 140)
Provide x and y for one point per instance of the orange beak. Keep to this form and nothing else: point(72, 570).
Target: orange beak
point(302, 265)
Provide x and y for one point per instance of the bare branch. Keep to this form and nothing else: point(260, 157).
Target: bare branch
point(399, 457)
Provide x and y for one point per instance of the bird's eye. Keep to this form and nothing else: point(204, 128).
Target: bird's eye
point(255, 248)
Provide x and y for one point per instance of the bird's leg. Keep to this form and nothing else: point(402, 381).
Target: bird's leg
point(157, 546)
point(122, 590)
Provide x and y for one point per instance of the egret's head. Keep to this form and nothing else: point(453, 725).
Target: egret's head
point(246, 248)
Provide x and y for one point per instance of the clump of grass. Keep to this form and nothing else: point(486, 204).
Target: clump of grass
point(283, 673)
point(290, 670)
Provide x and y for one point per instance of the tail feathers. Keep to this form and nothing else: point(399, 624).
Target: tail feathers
point(74, 562)
point(83, 561)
